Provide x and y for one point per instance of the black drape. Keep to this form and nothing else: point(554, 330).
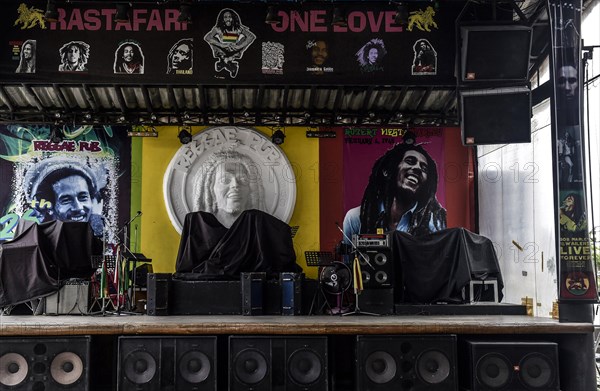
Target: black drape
point(39, 256)
point(436, 267)
point(256, 242)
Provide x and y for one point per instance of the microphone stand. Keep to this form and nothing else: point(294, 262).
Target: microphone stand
point(357, 310)
point(125, 250)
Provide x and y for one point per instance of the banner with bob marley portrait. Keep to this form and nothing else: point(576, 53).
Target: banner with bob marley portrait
point(228, 42)
point(66, 173)
point(576, 271)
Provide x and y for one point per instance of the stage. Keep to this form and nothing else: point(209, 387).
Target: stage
point(60, 325)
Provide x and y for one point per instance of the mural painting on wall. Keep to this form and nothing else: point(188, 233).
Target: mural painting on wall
point(395, 186)
point(237, 44)
point(576, 269)
point(85, 177)
point(226, 170)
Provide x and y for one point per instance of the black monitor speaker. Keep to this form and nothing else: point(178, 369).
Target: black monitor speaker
point(496, 116)
point(495, 53)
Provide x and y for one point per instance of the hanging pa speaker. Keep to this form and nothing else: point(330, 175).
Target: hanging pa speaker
point(513, 366)
point(415, 363)
point(278, 363)
point(48, 364)
point(496, 116)
point(156, 363)
point(380, 276)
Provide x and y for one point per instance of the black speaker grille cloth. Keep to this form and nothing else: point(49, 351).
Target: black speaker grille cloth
point(494, 370)
point(304, 367)
point(140, 367)
point(250, 366)
point(536, 371)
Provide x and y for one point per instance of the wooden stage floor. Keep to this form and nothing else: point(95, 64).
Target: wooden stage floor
point(43, 325)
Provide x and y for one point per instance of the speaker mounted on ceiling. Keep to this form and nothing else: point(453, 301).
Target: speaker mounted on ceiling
point(496, 116)
point(495, 53)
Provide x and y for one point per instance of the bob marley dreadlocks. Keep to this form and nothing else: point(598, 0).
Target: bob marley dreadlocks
point(382, 189)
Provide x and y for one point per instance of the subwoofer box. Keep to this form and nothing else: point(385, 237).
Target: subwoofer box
point(291, 363)
point(48, 364)
point(406, 363)
point(511, 366)
point(205, 298)
point(167, 363)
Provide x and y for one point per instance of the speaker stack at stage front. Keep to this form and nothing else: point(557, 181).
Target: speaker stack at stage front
point(169, 363)
point(406, 363)
point(511, 366)
point(378, 280)
point(262, 363)
point(44, 364)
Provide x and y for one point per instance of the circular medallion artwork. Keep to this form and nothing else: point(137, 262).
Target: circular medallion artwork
point(225, 157)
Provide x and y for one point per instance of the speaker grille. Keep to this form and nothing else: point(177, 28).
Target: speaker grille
point(536, 371)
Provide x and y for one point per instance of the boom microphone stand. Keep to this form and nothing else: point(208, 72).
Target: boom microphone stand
point(130, 303)
point(357, 252)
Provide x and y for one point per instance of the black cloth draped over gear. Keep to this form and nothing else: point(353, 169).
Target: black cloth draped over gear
point(436, 267)
point(40, 256)
point(256, 242)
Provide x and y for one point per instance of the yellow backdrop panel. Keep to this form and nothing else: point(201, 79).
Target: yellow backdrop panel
point(160, 240)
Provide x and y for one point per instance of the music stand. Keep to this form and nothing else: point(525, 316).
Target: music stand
point(319, 259)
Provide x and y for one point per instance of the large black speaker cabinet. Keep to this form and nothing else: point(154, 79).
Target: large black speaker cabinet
point(381, 275)
point(512, 366)
point(496, 116)
point(177, 363)
point(44, 364)
point(278, 363)
point(158, 294)
point(402, 363)
point(495, 53)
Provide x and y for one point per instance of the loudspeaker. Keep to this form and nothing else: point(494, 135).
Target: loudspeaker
point(178, 363)
point(141, 274)
point(159, 286)
point(278, 363)
point(253, 287)
point(73, 298)
point(378, 301)
point(291, 293)
point(44, 364)
point(495, 53)
point(512, 366)
point(496, 116)
point(381, 275)
point(415, 363)
point(205, 298)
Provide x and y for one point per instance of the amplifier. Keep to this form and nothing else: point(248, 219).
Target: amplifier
point(72, 299)
point(371, 240)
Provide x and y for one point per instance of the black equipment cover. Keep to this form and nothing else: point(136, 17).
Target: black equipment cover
point(256, 242)
point(41, 255)
point(435, 267)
